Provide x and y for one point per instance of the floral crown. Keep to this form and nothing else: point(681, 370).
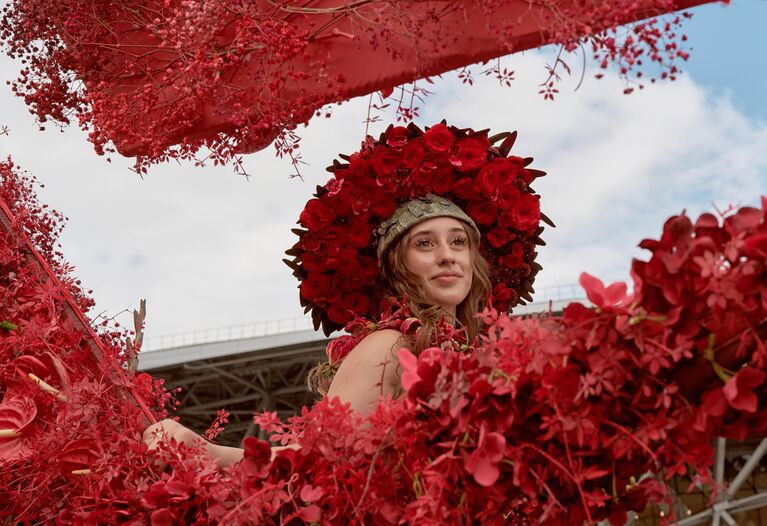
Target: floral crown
point(335, 258)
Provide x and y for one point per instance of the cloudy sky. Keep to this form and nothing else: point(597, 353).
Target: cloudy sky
point(204, 246)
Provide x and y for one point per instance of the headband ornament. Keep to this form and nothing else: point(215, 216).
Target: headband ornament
point(410, 213)
point(369, 201)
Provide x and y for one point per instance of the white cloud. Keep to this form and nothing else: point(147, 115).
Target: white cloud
point(204, 246)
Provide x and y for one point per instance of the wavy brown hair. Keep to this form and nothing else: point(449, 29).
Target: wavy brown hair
point(399, 282)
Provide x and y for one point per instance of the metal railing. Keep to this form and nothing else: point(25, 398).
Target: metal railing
point(223, 334)
point(288, 325)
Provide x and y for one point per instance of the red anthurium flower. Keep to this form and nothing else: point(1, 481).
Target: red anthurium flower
point(739, 390)
point(16, 416)
point(79, 454)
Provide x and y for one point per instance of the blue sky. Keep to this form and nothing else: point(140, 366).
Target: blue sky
point(728, 45)
point(204, 246)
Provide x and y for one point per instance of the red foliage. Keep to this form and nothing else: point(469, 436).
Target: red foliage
point(546, 419)
point(232, 75)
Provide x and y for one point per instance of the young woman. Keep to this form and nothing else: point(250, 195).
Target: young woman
point(436, 265)
point(428, 200)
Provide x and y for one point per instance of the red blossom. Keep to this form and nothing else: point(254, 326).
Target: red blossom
point(739, 390)
point(483, 461)
point(438, 138)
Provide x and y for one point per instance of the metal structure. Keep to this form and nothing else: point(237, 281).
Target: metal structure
point(243, 376)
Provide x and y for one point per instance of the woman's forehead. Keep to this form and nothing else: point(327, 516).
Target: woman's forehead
point(437, 225)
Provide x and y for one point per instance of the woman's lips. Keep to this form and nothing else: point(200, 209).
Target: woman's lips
point(446, 279)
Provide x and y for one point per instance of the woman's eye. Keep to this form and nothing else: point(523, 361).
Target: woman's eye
point(460, 241)
point(423, 243)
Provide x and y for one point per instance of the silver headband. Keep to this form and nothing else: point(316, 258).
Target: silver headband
point(411, 213)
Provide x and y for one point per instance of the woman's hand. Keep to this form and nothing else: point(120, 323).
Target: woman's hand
point(167, 429)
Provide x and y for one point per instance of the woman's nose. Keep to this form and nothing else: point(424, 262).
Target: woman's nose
point(444, 254)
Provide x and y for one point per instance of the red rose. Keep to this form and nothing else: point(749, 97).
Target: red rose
point(509, 262)
point(517, 250)
point(258, 450)
point(501, 296)
point(358, 167)
point(488, 179)
point(422, 178)
point(385, 160)
point(313, 262)
point(357, 302)
point(396, 137)
point(316, 215)
point(469, 153)
point(438, 138)
point(499, 237)
point(315, 288)
point(339, 313)
point(464, 188)
point(340, 202)
point(509, 195)
point(483, 212)
point(443, 181)
point(310, 242)
point(383, 206)
point(412, 154)
point(342, 259)
point(358, 232)
point(507, 170)
point(368, 268)
point(526, 213)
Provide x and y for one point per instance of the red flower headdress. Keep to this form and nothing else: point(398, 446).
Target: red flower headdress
point(335, 256)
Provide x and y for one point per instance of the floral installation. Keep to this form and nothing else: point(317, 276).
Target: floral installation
point(63, 412)
point(207, 81)
point(335, 257)
point(545, 420)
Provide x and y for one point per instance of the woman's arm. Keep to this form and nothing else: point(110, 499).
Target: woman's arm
point(367, 373)
point(223, 455)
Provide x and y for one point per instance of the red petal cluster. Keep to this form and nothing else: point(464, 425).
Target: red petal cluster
point(335, 258)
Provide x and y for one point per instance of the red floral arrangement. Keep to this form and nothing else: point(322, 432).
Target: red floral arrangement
point(335, 257)
point(549, 420)
point(63, 413)
point(230, 76)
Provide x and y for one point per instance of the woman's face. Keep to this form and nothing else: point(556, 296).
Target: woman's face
point(438, 252)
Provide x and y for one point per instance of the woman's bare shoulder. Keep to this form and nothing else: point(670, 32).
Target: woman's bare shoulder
point(369, 371)
point(376, 345)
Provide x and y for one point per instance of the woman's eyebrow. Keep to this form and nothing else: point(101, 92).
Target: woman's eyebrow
point(431, 232)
